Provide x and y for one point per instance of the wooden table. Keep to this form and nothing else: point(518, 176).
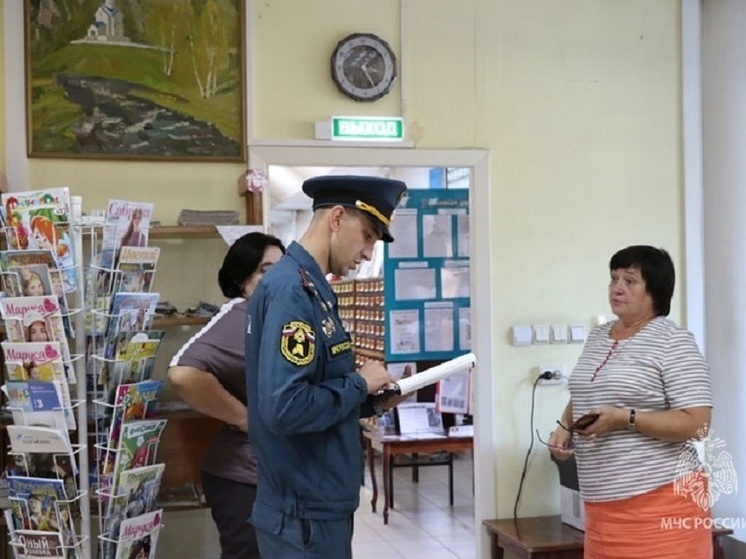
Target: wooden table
point(546, 537)
point(392, 445)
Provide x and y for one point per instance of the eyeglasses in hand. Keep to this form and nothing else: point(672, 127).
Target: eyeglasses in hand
point(570, 445)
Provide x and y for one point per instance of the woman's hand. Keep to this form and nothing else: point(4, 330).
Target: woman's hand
point(560, 444)
point(609, 419)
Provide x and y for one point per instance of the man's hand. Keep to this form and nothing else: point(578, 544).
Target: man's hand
point(376, 376)
point(392, 400)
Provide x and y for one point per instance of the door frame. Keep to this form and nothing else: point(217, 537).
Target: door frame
point(262, 156)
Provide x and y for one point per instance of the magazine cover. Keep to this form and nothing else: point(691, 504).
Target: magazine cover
point(15, 262)
point(129, 312)
point(133, 357)
point(138, 445)
point(30, 438)
point(94, 372)
point(138, 494)
point(127, 224)
point(33, 361)
point(132, 402)
point(138, 536)
point(34, 280)
point(39, 503)
point(30, 544)
point(39, 220)
point(136, 268)
point(29, 280)
point(98, 290)
point(44, 453)
point(37, 319)
point(41, 403)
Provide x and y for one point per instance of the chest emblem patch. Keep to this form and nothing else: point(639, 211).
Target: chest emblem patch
point(298, 343)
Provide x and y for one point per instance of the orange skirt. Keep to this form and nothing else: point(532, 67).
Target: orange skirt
point(656, 525)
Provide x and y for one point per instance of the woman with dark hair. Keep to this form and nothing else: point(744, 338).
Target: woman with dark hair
point(209, 373)
point(133, 236)
point(639, 395)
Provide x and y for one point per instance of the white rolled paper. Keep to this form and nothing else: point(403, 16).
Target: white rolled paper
point(439, 372)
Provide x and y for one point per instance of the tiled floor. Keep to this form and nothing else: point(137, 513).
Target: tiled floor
point(422, 524)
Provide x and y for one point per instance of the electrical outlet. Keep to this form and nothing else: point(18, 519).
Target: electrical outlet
point(557, 372)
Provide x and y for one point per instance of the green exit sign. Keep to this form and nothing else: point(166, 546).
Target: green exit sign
point(368, 129)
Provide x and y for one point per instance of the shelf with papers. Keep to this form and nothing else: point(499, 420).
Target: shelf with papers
point(184, 232)
point(163, 322)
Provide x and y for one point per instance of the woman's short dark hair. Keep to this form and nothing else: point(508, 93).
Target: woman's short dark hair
point(656, 268)
point(243, 259)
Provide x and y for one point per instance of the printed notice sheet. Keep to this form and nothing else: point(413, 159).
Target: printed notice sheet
point(462, 234)
point(405, 331)
point(231, 233)
point(404, 230)
point(414, 281)
point(437, 236)
point(464, 328)
point(419, 419)
point(454, 394)
point(439, 328)
point(454, 279)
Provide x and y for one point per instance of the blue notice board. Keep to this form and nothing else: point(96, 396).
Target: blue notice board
point(426, 277)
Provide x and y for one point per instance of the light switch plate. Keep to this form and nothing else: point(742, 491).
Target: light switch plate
point(576, 333)
point(559, 333)
point(522, 335)
point(541, 333)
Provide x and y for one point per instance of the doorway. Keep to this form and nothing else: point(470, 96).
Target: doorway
point(481, 249)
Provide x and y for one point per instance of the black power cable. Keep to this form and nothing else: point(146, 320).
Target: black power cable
point(546, 375)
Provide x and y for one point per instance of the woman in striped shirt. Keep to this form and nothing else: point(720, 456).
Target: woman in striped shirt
point(644, 387)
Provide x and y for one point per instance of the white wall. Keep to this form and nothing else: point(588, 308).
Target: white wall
point(724, 111)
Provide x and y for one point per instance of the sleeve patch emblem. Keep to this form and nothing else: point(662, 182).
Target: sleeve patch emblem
point(298, 343)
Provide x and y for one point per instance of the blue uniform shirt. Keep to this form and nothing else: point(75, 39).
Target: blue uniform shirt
point(304, 396)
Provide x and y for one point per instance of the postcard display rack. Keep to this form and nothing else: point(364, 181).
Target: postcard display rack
point(81, 398)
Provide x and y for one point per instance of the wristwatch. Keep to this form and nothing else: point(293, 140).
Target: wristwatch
point(378, 410)
point(631, 421)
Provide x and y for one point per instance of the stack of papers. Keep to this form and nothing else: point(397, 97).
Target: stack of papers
point(208, 217)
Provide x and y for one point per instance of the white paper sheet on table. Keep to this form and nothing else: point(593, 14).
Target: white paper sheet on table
point(231, 233)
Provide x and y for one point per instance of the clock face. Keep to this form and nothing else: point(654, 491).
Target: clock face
point(363, 67)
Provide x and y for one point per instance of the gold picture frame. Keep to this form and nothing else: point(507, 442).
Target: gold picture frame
point(154, 79)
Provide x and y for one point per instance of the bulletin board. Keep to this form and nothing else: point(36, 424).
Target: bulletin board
point(426, 277)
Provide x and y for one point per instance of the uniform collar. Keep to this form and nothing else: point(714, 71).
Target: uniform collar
point(309, 264)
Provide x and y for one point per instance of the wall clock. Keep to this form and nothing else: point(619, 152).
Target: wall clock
point(363, 67)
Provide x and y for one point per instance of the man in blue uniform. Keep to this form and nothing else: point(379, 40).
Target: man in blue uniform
point(304, 396)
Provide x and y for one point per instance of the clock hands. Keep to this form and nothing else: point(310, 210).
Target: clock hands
point(364, 68)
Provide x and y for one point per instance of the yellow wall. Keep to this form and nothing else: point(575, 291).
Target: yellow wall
point(2, 93)
point(578, 103)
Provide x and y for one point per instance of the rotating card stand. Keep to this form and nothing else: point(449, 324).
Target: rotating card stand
point(73, 321)
point(114, 412)
point(106, 373)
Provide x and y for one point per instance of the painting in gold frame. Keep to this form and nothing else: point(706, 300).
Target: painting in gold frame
point(135, 79)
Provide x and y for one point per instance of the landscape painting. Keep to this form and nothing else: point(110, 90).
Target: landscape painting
point(135, 79)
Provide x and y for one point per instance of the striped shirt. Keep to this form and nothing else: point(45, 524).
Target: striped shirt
point(659, 368)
